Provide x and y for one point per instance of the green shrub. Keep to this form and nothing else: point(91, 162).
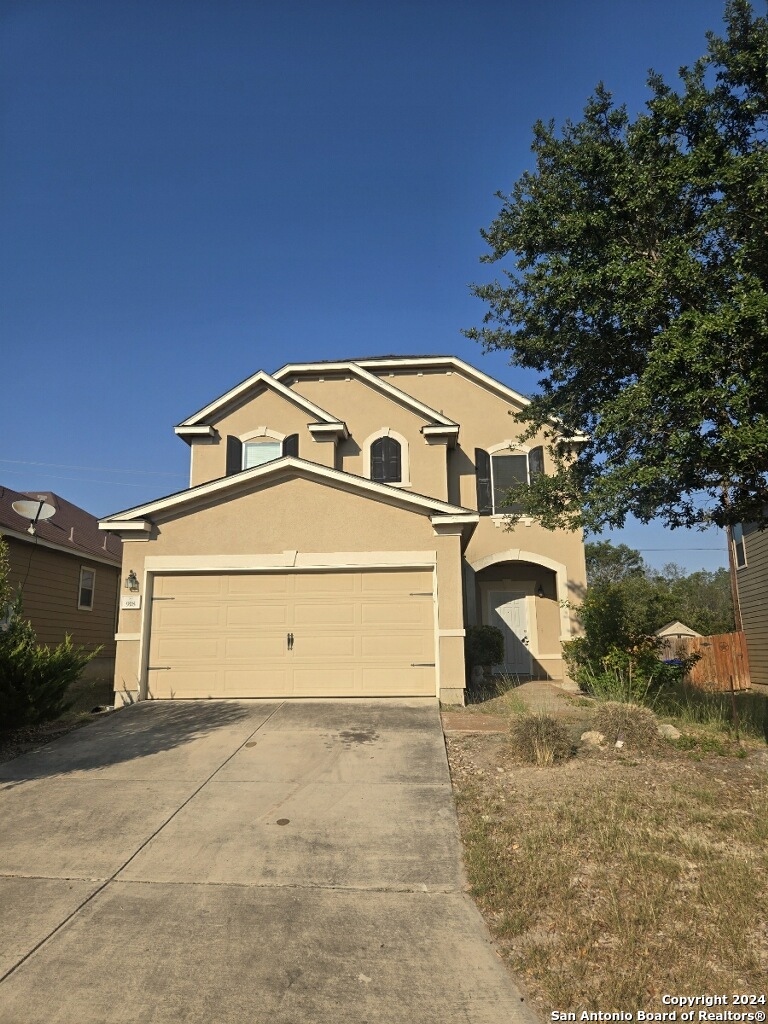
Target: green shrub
point(633, 724)
point(34, 679)
point(540, 739)
point(635, 673)
point(483, 645)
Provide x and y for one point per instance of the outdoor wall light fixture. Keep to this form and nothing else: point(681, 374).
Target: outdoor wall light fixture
point(131, 582)
point(539, 591)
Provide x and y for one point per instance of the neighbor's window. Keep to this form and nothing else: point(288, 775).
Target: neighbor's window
point(737, 538)
point(386, 461)
point(86, 588)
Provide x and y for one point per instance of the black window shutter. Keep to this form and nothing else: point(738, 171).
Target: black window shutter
point(536, 461)
point(483, 480)
point(392, 466)
point(234, 455)
point(291, 445)
point(377, 459)
point(386, 460)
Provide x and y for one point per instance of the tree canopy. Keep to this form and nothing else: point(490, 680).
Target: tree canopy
point(627, 599)
point(636, 286)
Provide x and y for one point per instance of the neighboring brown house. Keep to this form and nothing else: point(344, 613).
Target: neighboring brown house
point(344, 524)
point(69, 574)
point(750, 551)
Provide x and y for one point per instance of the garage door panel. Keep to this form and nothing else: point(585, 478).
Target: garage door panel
point(187, 617)
point(257, 585)
point(252, 682)
point(253, 649)
point(405, 615)
point(209, 585)
point(401, 582)
point(355, 633)
point(329, 614)
point(325, 645)
point(383, 682)
point(183, 683)
point(188, 649)
point(257, 615)
point(386, 645)
point(338, 681)
point(322, 583)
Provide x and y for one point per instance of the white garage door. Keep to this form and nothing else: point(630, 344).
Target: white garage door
point(319, 634)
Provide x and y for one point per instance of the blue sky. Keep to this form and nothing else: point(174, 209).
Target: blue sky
point(191, 190)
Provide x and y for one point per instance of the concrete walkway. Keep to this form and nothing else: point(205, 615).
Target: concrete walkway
point(230, 862)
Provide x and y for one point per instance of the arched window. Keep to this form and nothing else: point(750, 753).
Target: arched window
point(258, 449)
point(386, 460)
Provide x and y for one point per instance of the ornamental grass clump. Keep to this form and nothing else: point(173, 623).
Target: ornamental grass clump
point(629, 725)
point(540, 739)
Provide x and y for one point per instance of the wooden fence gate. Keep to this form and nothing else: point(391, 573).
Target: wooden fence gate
point(723, 663)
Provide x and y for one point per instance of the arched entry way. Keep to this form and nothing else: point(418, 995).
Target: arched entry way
point(522, 593)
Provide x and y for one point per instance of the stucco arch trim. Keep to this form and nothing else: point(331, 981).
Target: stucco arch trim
point(259, 432)
point(508, 445)
point(405, 460)
point(558, 568)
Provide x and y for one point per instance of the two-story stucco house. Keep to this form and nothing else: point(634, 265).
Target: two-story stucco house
point(342, 527)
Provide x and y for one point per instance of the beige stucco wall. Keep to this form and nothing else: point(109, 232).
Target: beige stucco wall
point(366, 411)
point(266, 409)
point(289, 519)
point(483, 415)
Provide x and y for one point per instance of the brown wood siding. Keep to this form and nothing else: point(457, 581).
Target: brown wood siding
point(51, 596)
point(752, 580)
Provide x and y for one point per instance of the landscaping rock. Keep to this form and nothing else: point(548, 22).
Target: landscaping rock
point(669, 732)
point(593, 738)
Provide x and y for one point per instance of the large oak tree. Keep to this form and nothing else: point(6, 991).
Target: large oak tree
point(635, 266)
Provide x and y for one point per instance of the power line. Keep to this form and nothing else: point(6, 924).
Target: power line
point(90, 469)
point(82, 479)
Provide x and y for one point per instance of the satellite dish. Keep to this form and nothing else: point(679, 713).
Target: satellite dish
point(35, 511)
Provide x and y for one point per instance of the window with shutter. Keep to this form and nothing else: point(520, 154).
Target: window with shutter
point(498, 473)
point(386, 460)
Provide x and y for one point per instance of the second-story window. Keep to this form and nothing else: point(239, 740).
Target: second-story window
point(499, 472)
point(257, 451)
point(386, 460)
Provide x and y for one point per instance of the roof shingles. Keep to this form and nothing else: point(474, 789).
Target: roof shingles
point(69, 527)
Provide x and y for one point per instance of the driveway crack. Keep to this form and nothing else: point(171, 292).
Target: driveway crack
point(135, 853)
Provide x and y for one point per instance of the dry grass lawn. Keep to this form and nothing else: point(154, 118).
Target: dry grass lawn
point(614, 878)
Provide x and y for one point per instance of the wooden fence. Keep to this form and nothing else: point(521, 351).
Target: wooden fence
point(723, 662)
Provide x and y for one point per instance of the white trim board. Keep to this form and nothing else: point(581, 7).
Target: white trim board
point(132, 519)
point(260, 378)
point(299, 369)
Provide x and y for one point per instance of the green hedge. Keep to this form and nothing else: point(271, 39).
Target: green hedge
point(34, 680)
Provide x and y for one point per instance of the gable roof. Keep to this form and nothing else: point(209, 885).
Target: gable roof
point(136, 518)
point(260, 379)
point(71, 528)
point(459, 365)
point(364, 375)
point(676, 628)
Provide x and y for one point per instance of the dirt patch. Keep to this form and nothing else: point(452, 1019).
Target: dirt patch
point(614, 878)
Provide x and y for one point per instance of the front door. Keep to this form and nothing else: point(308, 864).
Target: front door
point(509, 612)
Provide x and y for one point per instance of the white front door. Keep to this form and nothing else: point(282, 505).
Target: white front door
point(510, 613)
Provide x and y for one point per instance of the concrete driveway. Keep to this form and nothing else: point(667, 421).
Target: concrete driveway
point(228, 861)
